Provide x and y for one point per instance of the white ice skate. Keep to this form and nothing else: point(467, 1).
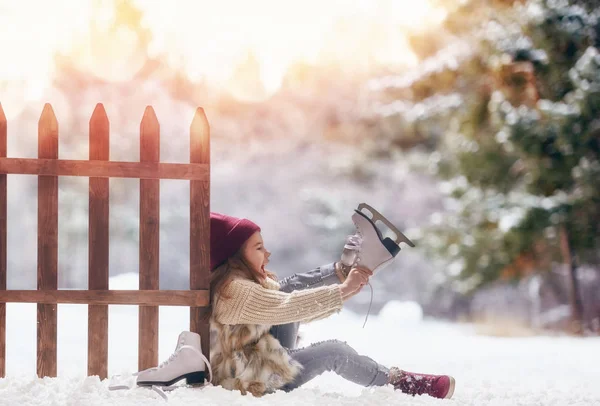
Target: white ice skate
point(187, 362)
point(369, 248)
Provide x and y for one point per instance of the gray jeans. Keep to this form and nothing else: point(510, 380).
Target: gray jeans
point(331, 355)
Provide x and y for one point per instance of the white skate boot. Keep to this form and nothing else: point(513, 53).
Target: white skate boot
point(368, 248)
point(187, 362)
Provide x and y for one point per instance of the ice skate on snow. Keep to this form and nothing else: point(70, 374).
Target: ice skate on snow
point(368, 248)
point(187, 362)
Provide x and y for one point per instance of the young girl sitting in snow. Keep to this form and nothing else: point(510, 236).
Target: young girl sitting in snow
point(254, 321)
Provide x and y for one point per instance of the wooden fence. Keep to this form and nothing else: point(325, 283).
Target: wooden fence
point(99, 169)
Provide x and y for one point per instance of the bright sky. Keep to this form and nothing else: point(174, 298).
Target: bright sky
point(205, 38)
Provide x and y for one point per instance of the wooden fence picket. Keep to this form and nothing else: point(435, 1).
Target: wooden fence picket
point(3, 246)
point(47, 167)
point(149, 241)
point(200, 223)
point(47, 267)
point(98, 246)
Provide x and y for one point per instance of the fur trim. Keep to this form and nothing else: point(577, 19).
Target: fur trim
point(247, 358)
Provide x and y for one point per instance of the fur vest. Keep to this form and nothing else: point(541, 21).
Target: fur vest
point(247, 358)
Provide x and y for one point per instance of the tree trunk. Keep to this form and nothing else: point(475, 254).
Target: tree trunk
point(574, 292)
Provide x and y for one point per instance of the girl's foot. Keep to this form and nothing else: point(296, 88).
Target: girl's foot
point(438, 386)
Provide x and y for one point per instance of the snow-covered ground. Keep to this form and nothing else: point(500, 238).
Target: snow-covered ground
point(491, 371)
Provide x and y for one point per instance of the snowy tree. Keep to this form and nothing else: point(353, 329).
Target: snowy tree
point(520, 146)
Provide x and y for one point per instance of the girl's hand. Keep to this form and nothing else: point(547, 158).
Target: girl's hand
point(357, 278)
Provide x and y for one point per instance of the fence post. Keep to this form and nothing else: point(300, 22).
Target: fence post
point(149, 241)
point(47, 266)
point(98, 246)
point(200, 224)
point(3, 246)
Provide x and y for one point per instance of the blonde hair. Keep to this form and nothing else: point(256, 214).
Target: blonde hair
point(221, 276)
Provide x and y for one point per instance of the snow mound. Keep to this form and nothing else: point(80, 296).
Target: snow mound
point(489, 371)
point(404, 313)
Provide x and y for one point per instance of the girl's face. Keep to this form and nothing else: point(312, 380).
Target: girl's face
point(255, 253)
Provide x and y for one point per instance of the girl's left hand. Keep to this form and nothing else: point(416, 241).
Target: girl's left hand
point(357, 278)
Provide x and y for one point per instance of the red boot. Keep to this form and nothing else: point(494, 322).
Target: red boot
point(438, 386)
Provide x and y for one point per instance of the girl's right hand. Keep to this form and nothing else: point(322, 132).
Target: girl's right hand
point(357, 278)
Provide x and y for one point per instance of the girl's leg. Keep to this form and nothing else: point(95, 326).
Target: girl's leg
point(339, 357)
point(287, 334)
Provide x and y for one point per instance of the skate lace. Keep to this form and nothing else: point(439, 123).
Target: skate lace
point(354, 241)
point(370, 303)
point(180, 345)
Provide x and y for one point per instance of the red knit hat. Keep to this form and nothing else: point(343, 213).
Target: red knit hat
point(227, 235)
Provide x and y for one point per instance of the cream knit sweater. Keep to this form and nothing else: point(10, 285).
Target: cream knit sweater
point(246, 302)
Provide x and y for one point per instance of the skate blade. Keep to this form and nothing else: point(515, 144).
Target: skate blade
point(121, 382)
point(191, 378)
point(376, 216)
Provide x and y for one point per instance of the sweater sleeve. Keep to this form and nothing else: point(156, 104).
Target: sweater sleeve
point(247, 302)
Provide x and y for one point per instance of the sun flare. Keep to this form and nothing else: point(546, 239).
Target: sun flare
point(206, 40)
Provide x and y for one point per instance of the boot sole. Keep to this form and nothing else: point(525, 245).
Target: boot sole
point(192, 378)
point(451, 388)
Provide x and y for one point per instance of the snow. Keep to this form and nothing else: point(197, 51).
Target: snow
point(536, 370)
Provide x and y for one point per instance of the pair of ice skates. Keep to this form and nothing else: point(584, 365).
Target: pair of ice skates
point(366, 248)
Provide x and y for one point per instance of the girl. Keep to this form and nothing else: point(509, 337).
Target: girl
point(254, 321)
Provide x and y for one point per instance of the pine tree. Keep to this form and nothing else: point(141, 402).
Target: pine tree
point(534, 153)
point(520, 146)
